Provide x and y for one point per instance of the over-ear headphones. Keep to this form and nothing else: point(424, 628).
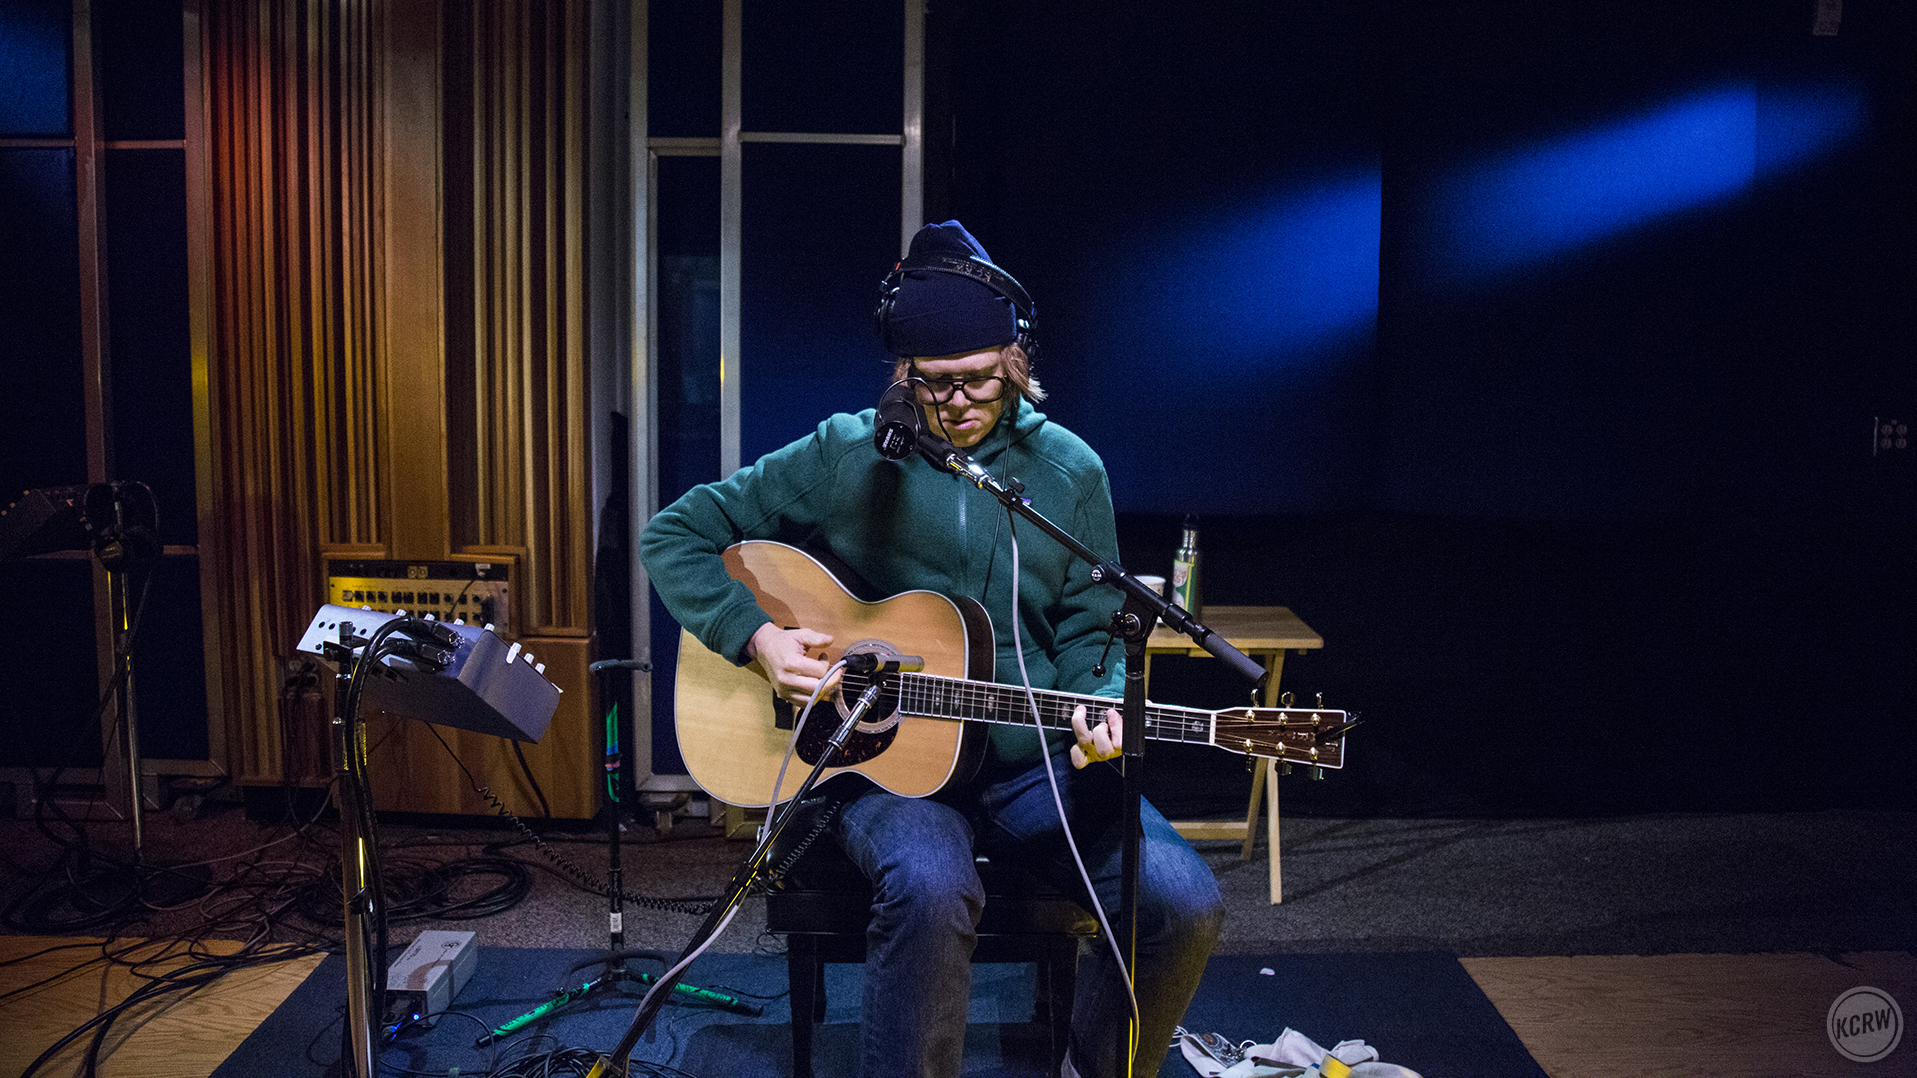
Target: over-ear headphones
point(1024, 314)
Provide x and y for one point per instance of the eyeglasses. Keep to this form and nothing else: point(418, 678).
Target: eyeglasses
point(983, 390)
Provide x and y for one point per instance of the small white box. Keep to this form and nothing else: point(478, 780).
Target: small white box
point(430, 974)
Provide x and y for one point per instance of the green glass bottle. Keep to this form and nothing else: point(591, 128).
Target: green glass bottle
point(1184, 578)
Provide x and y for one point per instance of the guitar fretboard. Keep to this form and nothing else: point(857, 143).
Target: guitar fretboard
point(956, 698)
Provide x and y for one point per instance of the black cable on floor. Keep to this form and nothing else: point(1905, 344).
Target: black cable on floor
point(579, 876)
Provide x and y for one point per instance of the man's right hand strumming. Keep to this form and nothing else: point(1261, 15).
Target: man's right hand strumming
point(786, 657)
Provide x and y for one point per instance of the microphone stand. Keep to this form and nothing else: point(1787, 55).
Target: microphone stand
point(615, 1062)
point(614, 973)
point(1132, 623)
point(944, 455)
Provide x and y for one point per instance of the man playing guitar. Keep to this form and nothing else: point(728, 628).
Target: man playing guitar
point(960, 327)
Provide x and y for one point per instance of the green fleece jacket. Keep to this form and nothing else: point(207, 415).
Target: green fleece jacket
point(905, 525)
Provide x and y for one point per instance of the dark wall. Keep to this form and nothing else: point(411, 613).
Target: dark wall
point(1190, 193)
point(1586, 504)
point(50, 701)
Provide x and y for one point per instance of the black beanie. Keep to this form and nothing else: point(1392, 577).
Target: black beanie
point(939, 313)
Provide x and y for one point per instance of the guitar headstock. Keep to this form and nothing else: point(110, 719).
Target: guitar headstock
point(1300, 735)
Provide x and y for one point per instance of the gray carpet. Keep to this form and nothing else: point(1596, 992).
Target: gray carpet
point(1824, 882)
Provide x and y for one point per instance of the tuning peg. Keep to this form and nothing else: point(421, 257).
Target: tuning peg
point(1284, 698)
point(1317, 773)
point(1284, 768)
point(1321, 701)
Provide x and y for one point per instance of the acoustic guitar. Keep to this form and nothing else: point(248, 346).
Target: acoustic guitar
point(927, 731)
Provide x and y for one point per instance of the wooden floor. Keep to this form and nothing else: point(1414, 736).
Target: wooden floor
point(1691, 1015)
point(1595, 1016)
point(177, 1036)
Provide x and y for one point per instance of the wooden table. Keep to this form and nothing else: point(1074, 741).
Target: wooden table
point(1264, 633)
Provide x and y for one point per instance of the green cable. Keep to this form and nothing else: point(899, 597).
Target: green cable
point(612, 749)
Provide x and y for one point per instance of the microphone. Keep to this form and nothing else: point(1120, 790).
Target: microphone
point(870, 662)
point(945, 456)
point(937, 451)
point(895, 431)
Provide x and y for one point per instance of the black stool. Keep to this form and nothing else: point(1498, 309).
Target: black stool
point(826, 906)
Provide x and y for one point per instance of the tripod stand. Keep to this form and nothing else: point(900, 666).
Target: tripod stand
point(118, 524)
point(614, 975)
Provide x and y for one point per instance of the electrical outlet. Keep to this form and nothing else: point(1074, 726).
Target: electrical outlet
point(1888, 436)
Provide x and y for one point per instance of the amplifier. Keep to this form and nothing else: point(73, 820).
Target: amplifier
point(477, 592)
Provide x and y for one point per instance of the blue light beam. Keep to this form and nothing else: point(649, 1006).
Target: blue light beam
point(1541, 202)
point(1276, 283)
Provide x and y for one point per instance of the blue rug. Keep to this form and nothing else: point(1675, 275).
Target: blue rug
point(1419, 1010)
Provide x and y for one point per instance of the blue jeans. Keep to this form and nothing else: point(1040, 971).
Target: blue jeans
point(927, 902)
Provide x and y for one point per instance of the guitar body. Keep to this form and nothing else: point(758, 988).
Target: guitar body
point(729, 720)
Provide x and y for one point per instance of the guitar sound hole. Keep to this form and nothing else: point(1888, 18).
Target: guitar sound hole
point(872, 736)
point(884, 711)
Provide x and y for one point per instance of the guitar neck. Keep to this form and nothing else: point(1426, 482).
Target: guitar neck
point(979, 701)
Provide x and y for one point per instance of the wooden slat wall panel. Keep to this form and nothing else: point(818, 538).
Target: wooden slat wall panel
point(293, 164)
point(299, 191)
point(529, 176)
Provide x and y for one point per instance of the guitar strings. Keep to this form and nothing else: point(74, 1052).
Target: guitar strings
point(938, 696)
